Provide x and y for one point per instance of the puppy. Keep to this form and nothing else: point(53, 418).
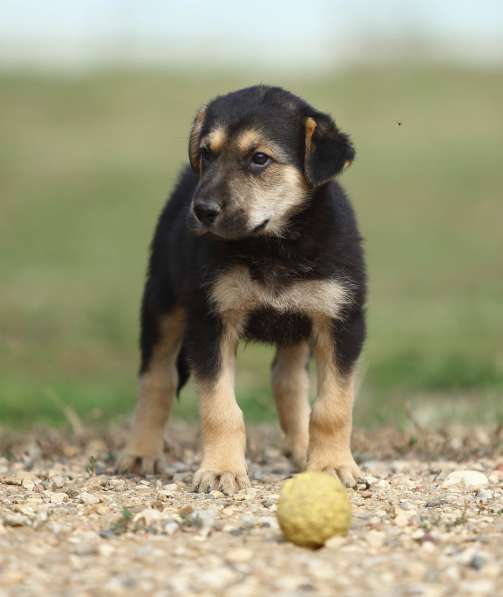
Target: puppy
point(257, 242)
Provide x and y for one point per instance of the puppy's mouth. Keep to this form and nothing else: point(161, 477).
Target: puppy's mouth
point(261, 226)
point(232, 229)
point(239, 233)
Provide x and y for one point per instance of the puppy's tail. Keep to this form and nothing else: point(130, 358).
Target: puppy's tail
point(183, 368)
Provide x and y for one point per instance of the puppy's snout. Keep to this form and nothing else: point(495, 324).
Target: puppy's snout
point(206, 211)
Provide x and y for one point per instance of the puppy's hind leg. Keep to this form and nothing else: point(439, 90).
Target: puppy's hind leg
point(290, 384)
point(161, 340)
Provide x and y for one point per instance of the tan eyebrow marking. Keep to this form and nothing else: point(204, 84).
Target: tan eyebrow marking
point(215, 139)
point(247, 139)
point(253, 139)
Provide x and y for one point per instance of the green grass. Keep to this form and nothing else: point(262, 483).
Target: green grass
point(85, 164)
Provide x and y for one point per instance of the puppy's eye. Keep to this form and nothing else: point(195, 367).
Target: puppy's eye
point(204, 152)
point(260, 159)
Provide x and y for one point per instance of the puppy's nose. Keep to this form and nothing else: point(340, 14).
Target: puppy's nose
point(206, 212)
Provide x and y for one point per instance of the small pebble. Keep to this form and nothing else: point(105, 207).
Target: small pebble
point(57, 482)
point(241, 554)
point(466, 478)
point(15, 519)
point(28, 484)
point(375, 538)
point(477, 562)
point(89, 498)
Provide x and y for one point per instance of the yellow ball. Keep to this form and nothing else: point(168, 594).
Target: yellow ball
point(313, 507)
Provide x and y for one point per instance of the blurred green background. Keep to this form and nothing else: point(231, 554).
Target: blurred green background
point(88, 157)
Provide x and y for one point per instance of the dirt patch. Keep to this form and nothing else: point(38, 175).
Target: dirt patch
point(427, 520)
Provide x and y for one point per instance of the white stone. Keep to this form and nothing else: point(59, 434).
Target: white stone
point(117, 484)
point(290, 582)
point(268, 521)
point(170, 527)
point(55, 527)
point(216, 579)
point(452, 572)
point(15, 519)
point(204, 519)
point(467, 478)
point(375, 538)
point(320, 569)
point(57, 482)
point(85, 549)
point(28, 484)
point(89, 498)
point(404, 517)
point(147, 517)
point(370, 479)
point(240, 554)
point(335, 542)
point(58, 498)
point(485, 495)
point(404, 505)
point(170, 489)
point(106, 550)
point(477, 587)
point(496, 477)
point(428, 546)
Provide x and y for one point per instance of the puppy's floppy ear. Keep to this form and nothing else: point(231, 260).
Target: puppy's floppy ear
point(194, 138)
point(327, 150)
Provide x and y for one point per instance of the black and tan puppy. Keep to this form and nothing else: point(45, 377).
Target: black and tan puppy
point(257, 242)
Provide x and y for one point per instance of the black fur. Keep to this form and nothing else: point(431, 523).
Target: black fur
point(331, 150)
point(321, 241)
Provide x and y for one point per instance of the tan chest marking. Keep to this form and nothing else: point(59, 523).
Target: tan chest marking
point(236, 291)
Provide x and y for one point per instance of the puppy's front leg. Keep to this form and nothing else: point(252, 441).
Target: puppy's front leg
point(213, 353)
point(331, 418)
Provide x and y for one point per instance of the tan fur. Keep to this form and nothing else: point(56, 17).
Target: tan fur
point(248, 139)
point(256, 140)
point(156, 393)
point(331, 418)
point(275, 195)
point(290, 384)
point(235, 291)
point(195, 133)
point(215, 139)
point(223, 432)
point(310, 126)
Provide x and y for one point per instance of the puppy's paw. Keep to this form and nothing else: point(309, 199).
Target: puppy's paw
point(297, 456)
point(143, 464)
point(227, 482)
point(346, 469)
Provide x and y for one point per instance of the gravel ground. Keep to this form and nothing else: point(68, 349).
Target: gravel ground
point(428, 520)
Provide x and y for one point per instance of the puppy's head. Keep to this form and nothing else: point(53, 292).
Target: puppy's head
point(259, 153)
